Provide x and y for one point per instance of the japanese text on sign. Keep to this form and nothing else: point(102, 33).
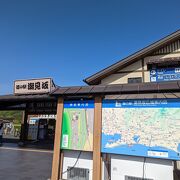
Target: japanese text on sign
point(33, 86)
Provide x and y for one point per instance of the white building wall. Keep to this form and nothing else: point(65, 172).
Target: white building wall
point(178, 165)
point(136, 66)
point(155, 169)
point(121, 78)
point(84, 161)
point(134, 70)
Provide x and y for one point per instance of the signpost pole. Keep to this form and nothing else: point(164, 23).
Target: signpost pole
point(24, 129)
point(97, 139)
point(56, 156)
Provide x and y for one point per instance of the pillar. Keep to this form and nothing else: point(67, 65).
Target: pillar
point(97, 139)
point(57, 151)
point(24, 127)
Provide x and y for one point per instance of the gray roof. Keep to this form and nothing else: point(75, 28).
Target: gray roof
point(19, 102)
point(117, 91)
point(97, 77)
point(163, 87)
point(145, 96)
point(25, 98)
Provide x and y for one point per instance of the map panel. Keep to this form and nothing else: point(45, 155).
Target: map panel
point(148, 128)
point(77, 128)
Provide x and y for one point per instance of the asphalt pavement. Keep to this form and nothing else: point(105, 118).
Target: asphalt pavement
point(24, 163)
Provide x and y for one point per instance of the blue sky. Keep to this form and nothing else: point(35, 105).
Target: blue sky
point(70, 40)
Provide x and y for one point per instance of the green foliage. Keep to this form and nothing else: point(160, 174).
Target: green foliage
point(15, 115)
point(17, 126)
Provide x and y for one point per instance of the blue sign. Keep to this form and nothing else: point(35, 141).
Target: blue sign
point(148, 128)
point(142, 103)
point(164, 74)
point(79, 104)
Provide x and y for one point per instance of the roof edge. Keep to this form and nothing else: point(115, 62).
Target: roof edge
point(95, 78)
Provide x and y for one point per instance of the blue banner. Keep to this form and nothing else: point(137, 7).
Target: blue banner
point(142, 103)
point(164, 74)
point(79, 104)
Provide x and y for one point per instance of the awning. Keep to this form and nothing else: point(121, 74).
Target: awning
point(145, 96)
point(140, 88)
point(169, 60)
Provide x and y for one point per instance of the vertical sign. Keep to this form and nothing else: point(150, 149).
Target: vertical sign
point(33, 128)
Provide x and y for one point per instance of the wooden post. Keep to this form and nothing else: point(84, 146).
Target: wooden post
point(143, 73)
point(56, 155)
point(97, 139)
point(61, 165)
point(24, 127)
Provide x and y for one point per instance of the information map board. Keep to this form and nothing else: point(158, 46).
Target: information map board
point(77, 127)
point(148, 128)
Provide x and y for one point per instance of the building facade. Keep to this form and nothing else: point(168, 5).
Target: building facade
point(124, 125)
point(139, 67)
point(157, 64)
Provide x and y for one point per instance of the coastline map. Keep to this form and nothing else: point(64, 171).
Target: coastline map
point(148, 128)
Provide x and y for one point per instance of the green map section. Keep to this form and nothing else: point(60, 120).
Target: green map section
point(75, 132)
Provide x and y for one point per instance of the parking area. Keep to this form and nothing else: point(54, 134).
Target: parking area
point(25, 163)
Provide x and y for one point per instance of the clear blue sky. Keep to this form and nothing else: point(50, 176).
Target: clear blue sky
point(70, 40)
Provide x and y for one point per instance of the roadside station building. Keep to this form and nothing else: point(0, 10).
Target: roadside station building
point(124, 125)
point(131, 116)
point(39, 109)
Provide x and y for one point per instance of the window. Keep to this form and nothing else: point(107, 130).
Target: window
point(135, 80)
point(74, 173)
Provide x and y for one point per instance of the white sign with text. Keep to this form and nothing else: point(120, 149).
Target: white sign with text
point(33, 86)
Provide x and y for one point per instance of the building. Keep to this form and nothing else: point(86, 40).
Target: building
point(142, 84)
point(124, 125)
point(139, 67)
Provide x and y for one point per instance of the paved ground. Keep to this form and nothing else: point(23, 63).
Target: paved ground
point(24, 163)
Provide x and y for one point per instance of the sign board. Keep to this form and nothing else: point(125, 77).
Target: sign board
point(47, 116)
point(148, 128)
point(33, 86)
point(33, 128)
point(41, 107)
point(77, 127)
point(164, 74)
